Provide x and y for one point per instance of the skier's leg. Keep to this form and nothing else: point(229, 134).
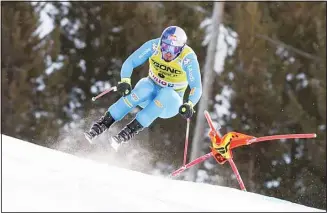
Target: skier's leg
point(165, 105)
point(143, 90)
point(167, 99)
point(173, 109)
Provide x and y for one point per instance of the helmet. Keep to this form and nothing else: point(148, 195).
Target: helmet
point(172, 42)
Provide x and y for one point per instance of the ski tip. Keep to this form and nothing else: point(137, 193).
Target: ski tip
point(87, 136)
point(114, 144)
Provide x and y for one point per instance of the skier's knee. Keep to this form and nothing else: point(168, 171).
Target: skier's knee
point(144, 119)
point(119, 109)
point(171, 102)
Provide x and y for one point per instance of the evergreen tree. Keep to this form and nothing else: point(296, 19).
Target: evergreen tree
point(278, 88)
point(22, 66)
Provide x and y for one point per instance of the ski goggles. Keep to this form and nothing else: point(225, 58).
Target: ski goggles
point(173, 50)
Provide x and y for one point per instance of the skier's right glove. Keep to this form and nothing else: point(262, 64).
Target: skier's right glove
point(186, 110)
point(124, 87)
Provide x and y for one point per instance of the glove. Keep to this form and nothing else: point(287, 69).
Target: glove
point(124, 87)
point(186, 110)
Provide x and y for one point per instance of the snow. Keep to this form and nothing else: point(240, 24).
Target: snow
point(226, 44)
point(100, 86)
point(47, 24)
point(222, 107)
point(52, 65)
point(36, 178)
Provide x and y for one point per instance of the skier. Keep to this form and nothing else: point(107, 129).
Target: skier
point(173, 66)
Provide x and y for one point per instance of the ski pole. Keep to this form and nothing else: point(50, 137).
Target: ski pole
point(104, 92)
point(186, 139)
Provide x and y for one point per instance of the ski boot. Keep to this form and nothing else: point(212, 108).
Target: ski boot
point(99, 126)
point(127, 133)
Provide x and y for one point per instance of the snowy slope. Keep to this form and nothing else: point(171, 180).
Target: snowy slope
point(35, 178)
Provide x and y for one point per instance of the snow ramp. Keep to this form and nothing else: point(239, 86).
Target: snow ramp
point(35, 178)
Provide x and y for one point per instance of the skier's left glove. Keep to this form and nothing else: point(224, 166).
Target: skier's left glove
point(186, 110)
point(124, 87)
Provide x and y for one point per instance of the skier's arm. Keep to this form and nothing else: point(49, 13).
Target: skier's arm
point(137, 58)
point(192, 68)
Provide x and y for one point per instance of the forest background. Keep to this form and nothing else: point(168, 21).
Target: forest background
point(269, 77)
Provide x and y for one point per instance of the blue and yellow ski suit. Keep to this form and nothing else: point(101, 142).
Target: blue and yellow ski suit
point(160, 94)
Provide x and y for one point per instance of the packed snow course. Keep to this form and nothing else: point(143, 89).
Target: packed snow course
point(35, 178)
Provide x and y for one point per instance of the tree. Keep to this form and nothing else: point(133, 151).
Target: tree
point(22, 66)
point(207, 86)
point(277, 70)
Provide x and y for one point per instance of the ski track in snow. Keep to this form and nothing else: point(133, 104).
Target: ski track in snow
point(36, 178)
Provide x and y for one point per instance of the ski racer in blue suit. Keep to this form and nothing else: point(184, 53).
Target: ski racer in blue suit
point(173, 66)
